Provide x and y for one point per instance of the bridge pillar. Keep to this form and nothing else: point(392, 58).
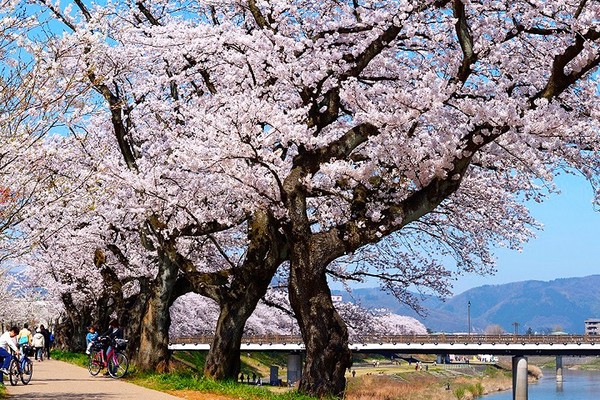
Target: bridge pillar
point(519, 371)
point(294, 367)
point(559, 369)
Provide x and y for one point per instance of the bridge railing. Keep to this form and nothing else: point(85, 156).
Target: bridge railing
point(410, 339)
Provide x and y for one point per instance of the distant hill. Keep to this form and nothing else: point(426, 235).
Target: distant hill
point(538, 305)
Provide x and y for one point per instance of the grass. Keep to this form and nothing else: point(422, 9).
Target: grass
point(190, 381)
point(475, 390)
point(70, 357)
point(3, 394)
point(593, 365)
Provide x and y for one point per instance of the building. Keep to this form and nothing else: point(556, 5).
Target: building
point(592, 326)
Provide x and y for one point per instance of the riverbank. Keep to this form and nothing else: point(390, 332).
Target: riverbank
point(436, 382)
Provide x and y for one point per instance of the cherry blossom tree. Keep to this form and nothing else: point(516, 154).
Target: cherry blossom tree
point(23, 120)
point(317, 136)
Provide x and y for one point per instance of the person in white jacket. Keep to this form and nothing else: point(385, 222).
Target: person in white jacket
point(38, 342)
point(7, 340)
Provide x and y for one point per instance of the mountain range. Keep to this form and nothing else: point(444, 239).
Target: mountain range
point(542, 306)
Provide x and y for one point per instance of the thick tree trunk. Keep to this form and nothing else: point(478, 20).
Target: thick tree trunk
point(237, 302)
point(153, 352)
point(223, 360)
point(248, 286)
point(323, 331)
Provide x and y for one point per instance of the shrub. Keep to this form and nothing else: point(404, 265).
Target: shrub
point(460, 392)
point(477, 389)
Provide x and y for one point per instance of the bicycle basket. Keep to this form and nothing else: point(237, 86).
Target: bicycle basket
point(27, 350)
point(121, 344)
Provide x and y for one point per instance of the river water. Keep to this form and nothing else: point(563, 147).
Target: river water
point(577, 385)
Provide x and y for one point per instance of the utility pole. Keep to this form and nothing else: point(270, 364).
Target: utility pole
point(516, 325)
point(469, 315)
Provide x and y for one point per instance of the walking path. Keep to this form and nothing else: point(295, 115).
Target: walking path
point(57, 380)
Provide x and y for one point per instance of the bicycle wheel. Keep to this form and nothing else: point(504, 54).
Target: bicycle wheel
point(13, 372)
point(95, 363)
point(118, 365)
point(26, 371)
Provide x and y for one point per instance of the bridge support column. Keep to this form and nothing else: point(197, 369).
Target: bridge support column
point(519, 371)
point(294, 367)
point(559, 369)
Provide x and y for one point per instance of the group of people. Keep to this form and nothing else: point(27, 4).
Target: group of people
point(15, 339)
point(40, 341)
point(114, 332)
point(254, 379)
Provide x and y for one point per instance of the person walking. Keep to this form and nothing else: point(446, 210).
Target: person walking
point(24, 336)
point(38, 343)
point(47, 341)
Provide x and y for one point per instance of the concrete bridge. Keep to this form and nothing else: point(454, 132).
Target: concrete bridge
point(517, 346)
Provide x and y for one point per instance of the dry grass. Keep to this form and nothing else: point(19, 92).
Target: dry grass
point(433, 385)
point(534, 371)
point(385, 387)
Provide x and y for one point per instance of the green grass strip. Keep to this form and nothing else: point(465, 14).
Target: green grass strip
point(195, 382)
point(70, 357)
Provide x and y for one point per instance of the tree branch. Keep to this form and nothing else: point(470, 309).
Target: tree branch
point(465, 38)
point(558, 81)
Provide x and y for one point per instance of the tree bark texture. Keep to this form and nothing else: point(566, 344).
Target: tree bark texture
point(237, 302)
point(223, 359)
point(323, 331)
point(70, 333)
point(153, 352)
point(249, 284)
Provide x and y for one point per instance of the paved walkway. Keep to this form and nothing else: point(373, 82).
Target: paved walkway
point(57, 380)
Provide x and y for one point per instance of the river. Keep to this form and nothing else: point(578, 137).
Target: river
point(577, 385)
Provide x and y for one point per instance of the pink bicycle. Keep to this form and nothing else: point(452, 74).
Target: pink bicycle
point(115, 361)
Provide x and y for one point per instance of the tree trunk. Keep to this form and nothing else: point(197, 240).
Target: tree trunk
point(153, 352)
point(223, 360)
point(248, 286)
point(249, 283)
point(324, 332)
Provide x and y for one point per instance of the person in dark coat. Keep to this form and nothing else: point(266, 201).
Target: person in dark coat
point(114, 331)
point(47, 341)
point(108, 338)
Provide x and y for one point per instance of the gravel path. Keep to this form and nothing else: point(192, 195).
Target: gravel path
point(57, 380)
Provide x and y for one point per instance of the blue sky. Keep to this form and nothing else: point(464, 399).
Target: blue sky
point(567, 247)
